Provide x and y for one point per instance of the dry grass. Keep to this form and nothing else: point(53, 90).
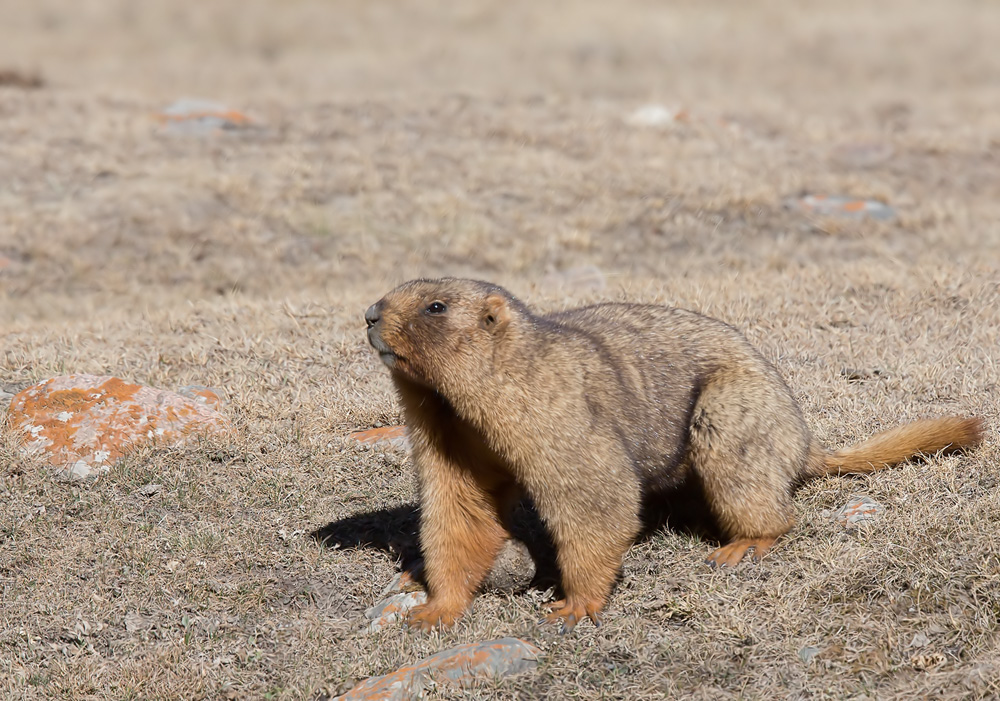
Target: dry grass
point(404, 139)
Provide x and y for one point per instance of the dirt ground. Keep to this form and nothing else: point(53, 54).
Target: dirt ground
point(396, 140)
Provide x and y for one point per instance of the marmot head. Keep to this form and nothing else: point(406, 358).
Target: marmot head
point(441, 333)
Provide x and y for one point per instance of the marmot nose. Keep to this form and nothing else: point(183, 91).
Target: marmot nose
point(373, 314)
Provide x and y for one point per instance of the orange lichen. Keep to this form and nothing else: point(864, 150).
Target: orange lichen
point(96, 419)
point(203, 395)
point(461, 665)
point(232, 116)
point(376, 435)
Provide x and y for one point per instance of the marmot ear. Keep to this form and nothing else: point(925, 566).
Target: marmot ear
point(496, 313)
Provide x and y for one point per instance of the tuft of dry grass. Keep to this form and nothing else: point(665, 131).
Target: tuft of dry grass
point(404, 140)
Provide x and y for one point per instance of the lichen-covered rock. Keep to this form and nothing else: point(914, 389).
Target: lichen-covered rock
point(84, 423)
point(841, 206)
point(393, 609)
point(463, 665)
point(200, 393)
point(403, 581)
point(859, 510)
point(388, 435)
point(202, 117)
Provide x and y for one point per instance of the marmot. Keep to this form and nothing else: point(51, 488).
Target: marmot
point(588, 411)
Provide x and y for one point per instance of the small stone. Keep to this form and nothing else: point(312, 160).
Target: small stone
point(149, 490)
point(656, 116)
point(85, 423)
point(201, 117)
point(403, 582)
point(460, 666)
point(512, 570)
point(840, 206)
point(859, 510)
point(394, 436)
point(920, 640)
point(862, 375)
point(807, 654)
point(393, 609)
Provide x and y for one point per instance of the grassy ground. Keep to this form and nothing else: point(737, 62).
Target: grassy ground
point(402, 139)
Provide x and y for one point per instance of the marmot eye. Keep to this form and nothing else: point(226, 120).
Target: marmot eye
point(436, 308)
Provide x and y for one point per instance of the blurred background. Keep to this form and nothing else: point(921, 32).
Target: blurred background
point(362, 143)
point(773, 52)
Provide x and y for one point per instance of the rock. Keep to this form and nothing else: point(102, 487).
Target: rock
point(206, 395)
point(393, 609)
point(855, 375)
point(840, 206)
point(807, 654)
point(201, 117)
point(512, 571)
point(859, 510)
point(85, 423)
point(656, 116)
point(462, 666)
point(148, 490)
point(403, 581)
point(388, 435)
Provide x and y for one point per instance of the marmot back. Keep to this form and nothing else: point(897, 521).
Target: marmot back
point(656, 360)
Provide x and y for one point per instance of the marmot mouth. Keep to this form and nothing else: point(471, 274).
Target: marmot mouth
point(389, 358)
point(385, 353)
point(375, 339)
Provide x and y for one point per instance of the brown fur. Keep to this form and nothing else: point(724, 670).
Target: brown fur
point(587, 411)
